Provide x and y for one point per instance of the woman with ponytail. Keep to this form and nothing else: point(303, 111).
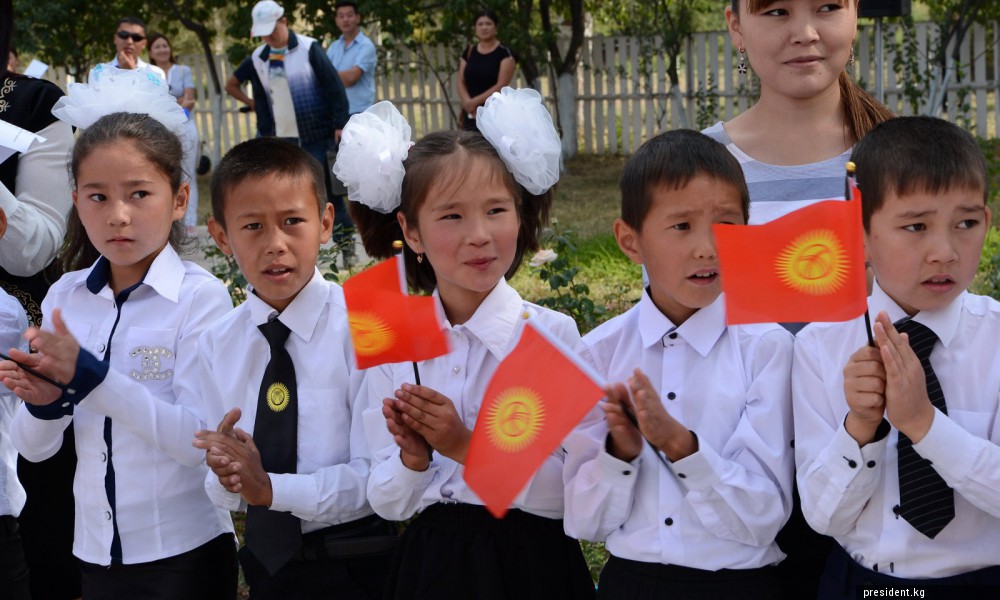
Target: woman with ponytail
point(793, 143)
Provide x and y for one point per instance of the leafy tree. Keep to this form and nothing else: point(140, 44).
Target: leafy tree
point(662, 28)
point(953, 18)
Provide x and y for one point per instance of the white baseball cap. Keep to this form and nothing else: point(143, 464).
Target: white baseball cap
point(265, 14)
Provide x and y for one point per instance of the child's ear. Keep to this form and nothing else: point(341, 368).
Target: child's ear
point(326, 222)
point(218, 233)
point(181, 201)
point(628, 241)
point(411, 235)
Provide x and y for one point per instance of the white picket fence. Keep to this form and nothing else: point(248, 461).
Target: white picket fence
point(617, 108)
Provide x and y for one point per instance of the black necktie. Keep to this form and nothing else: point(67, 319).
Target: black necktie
point(925, 500)
point(274, 537)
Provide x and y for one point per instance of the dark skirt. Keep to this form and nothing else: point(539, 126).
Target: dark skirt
point(622, 578)
point(460, 551)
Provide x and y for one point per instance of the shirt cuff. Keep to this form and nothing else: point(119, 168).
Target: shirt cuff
point(617, 470)
point(290, 492)
point(849, 465)
point(949, 447)
point(406, 476)
point(699, 471)
point(90, 373)
point(8, 201)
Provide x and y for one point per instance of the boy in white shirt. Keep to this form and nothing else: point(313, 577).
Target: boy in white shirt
point(696, 509)
point(896, 447)
point(302, 476)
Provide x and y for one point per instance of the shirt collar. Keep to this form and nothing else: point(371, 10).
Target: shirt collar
point(293, 41)
point(702, 329)
point(943, 321)
point(165, 274)
point(302, 315)
point(496, 319)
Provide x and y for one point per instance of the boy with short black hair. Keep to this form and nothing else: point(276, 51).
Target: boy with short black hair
point(696, 509)
point(281, 363)
point(897, 451)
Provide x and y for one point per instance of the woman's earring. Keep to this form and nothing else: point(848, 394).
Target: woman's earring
point(420, 257)
point(742, 68)
point(850, 61)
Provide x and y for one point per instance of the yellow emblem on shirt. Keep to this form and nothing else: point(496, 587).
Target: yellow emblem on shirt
point(515, 418)
point(815, 263)
point(277, 397)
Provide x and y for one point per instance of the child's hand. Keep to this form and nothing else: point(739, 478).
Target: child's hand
point(414, 450)
point(907, 405)
point(434, 417)
point(626, 442)
point(656, 424)
point(25, 386)
point(243, 457)
point(58, 350)
point(216, 459)
point(864, 389)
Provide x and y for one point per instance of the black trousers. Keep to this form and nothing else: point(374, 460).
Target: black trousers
point(325, 567)
point(13, 566)
point(845, 579)
point(209, 572)
point(623, 578)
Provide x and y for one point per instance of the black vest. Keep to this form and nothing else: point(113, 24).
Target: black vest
point(27, 103)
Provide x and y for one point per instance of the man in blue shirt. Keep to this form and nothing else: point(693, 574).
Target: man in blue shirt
point(353, 55)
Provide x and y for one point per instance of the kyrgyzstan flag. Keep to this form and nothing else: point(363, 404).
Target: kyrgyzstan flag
point(805, 266)
point(387, 324)
point(537, 395)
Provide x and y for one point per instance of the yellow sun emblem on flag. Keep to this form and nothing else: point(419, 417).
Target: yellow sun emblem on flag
point(370, 334)
point(277, 397)
point(515, 419)
point(815, 263)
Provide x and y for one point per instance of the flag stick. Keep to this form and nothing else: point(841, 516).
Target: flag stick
point(635, 423)
point(397, 249)
point(851, 168)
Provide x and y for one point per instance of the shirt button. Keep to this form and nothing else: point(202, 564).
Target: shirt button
point(626, 472)
point(852, 464)
point(682, 475)
point(65, 404)
point(671, 396)
point(871, 464)
point(672, 336)
point(104, 457)
point(455, 370)
point(668, 521)
point(101, 348)
point(107, 515)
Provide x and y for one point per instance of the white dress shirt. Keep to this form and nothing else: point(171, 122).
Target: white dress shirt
point(478, 345)
point(850, 492)
point(36, 216)
point(142, 65)
point(150, 395)
point(332, 462)
point(13, 322)
point(721, 507)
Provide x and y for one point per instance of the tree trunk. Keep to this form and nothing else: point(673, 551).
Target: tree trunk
point(566, 109)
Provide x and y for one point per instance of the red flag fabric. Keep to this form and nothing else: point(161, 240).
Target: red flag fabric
point(387, 324)
point(806, 266)
point(537, 395)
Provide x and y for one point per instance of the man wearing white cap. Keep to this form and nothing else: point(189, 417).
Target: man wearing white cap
point(297, 93)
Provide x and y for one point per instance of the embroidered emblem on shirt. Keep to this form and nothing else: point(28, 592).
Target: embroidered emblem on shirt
point(151, 356)
point(277, 397)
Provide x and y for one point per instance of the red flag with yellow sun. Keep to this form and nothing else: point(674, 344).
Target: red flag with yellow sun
point(538, 394)
point(805, 266)
point(387, 324)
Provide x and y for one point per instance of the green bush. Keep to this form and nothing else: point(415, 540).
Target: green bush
point(987, 281)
